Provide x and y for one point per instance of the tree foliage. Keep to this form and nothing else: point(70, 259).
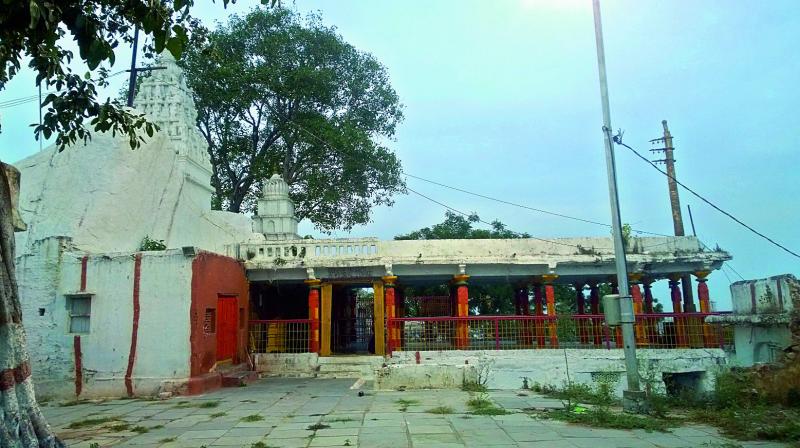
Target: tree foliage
point(460, 227)
point(37, 30)
point(278, 92)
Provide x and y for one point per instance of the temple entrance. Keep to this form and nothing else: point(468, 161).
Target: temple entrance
point(227, 323)
point(352, 320)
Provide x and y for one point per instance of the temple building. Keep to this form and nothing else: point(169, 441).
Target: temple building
point(132, 285)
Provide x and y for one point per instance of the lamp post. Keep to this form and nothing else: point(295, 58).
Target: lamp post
point(633, 397)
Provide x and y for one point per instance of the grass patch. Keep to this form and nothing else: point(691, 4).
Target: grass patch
point(441, 410)
point(252, 418)
point(482, 405)
point(317, 426)
point(473, 386)
point(404, 404)
point(261, 445)
point(120, 427)
point(604, 418)
point(198, 404)
point(218, 414)
point(140, 429)
point(760, 422)
point(168, 439)
point(91, 422)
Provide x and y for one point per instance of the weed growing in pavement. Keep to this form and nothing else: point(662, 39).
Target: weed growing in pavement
point(441, 410)
point(317, 426)
point(473, 386)
point(91, 422)
point(120, 427)
point(140, 429)
point(482, 405)
point(168, 439)
point(404, 403)
point(252, 418)
point(218, 414)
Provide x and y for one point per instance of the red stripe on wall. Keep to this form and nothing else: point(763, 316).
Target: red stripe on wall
point(84, 261)
point(137, 272)
point(78, 365)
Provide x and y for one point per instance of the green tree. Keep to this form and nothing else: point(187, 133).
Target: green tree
point(278, 92)
point(459, 227)
point(37, 30)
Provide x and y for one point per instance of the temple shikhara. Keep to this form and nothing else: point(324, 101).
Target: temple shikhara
point(232, 296)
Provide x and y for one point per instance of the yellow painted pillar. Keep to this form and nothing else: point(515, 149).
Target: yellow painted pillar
point(325, 321)
point(378, 318)
point(638, 308)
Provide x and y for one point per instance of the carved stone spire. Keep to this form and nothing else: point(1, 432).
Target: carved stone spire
point(167, 100)
point(276, 219)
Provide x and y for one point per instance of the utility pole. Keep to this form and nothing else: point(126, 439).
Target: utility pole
point(134, 71)
point(633, 397)
point(675, 203)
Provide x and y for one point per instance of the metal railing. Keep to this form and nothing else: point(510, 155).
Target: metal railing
point(279, 336)
point(587, 331)
point(661, 331)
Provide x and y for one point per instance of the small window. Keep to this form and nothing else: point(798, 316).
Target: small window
point(80, 310)
point(210, 321)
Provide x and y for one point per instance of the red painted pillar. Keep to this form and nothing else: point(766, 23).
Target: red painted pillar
point(705, 307)
point(390, 306)
point(550, 295)
point(676, 296)
point(314, 287)
point(538, 299)
point(462, 310)
point(594, 304)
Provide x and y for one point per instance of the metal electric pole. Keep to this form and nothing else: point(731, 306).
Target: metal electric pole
point(675, 203)
point(632, 396)
point(134, 71)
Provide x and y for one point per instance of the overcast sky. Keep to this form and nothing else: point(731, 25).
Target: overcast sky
point(502, 98)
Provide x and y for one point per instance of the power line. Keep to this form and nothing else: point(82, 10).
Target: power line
point(469, 215)
point(618, 140)
point(514, 204)
point(575, 218)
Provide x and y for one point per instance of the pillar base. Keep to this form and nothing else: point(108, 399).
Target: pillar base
point(634, 401)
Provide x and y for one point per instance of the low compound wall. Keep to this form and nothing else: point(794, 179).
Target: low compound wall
point(513, 368)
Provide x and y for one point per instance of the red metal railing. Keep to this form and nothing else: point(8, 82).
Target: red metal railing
point(279, 336)
point(668, 330)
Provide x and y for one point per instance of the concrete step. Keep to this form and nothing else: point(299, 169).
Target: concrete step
point(238, 378)
point(349, 366)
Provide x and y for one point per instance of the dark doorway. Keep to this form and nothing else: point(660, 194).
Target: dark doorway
point(352, 324)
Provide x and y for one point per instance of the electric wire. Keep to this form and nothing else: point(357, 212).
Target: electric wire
point(485, 222)
point(618, 140)
point(514, 204)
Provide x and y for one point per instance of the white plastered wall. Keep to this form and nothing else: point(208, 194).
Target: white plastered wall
point(162, 349)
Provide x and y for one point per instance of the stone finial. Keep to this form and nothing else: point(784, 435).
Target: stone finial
point(276, 218)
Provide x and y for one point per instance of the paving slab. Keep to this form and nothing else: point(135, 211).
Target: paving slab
point(287, 408)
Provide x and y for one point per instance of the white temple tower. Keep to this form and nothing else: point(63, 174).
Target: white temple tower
point(276, 219)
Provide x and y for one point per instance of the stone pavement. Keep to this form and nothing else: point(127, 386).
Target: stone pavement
point(322, 413)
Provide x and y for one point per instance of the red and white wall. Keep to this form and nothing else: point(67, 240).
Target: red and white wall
point(146, 319)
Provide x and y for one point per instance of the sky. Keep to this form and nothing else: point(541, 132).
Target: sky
point(502, 98)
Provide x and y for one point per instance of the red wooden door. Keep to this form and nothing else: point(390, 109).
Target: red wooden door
point(227, 323)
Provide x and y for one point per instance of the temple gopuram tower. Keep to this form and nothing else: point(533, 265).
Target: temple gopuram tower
point(276, 219)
